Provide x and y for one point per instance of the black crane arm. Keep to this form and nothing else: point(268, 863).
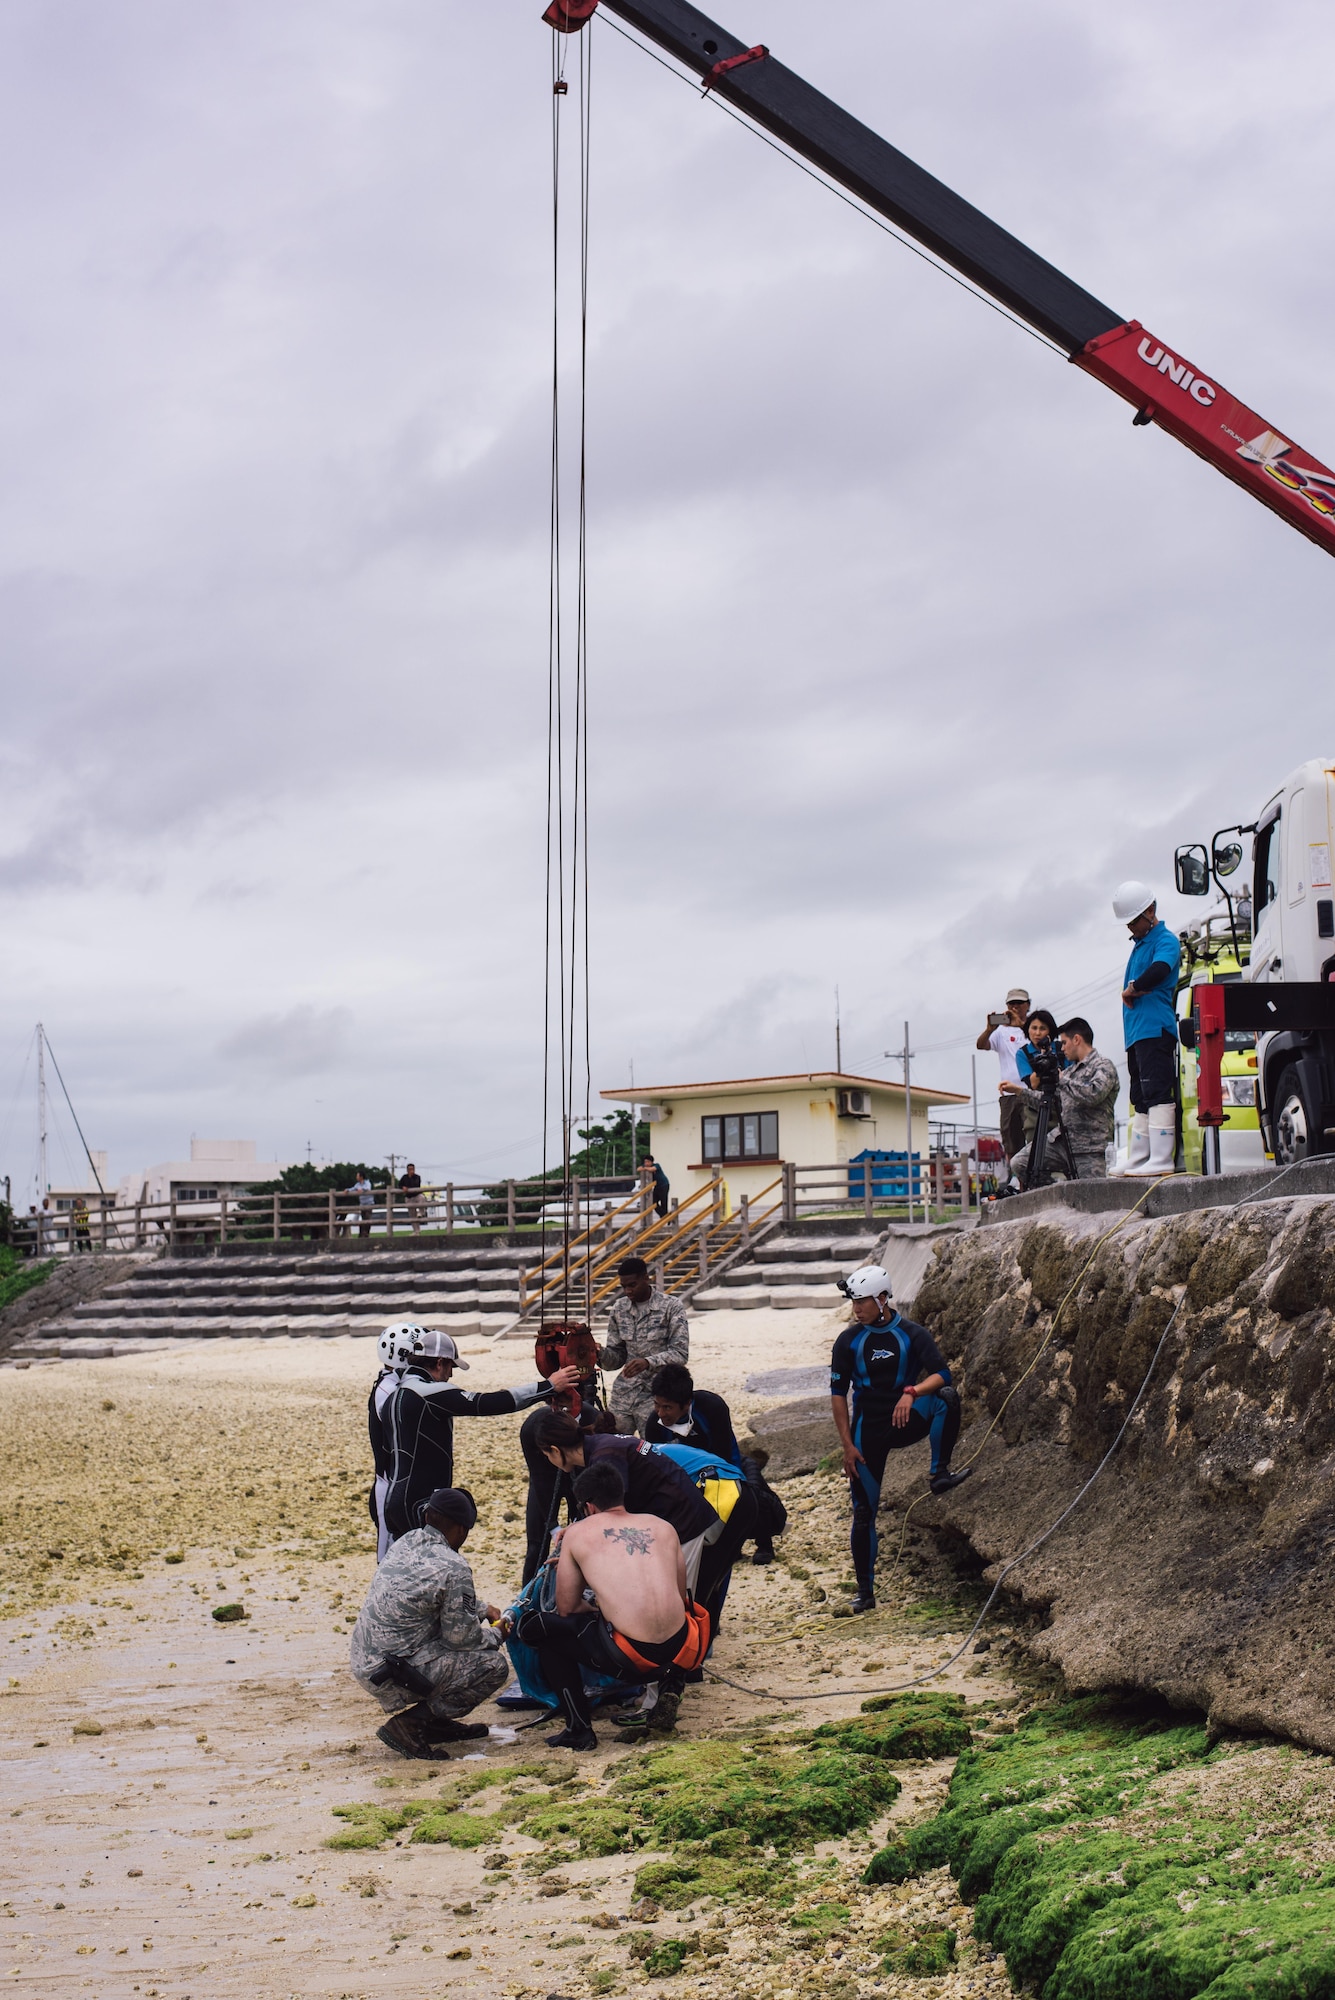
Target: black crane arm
point(878, 173)
point(1163, 387)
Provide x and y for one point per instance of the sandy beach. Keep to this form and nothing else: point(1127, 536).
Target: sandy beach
point(170, 1782)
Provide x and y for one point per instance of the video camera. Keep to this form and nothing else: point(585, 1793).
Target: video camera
point(1047, 1066)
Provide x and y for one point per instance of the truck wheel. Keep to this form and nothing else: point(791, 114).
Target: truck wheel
point(1296, 1133)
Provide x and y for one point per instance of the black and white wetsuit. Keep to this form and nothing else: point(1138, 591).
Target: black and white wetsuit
point(419, 1433)
point(386, 1382)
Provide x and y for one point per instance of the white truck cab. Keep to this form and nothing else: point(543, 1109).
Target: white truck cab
point(1293, 941)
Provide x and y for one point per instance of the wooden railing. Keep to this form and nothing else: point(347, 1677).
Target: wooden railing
point(452, 1209)
point(604, 1225)
point(882, 1190)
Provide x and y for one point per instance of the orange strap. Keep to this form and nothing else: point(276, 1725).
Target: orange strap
point(690, 1654)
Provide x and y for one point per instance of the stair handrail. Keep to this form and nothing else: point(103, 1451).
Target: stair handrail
point(631, 1244)
point(635, 1201)
point(687, 1243)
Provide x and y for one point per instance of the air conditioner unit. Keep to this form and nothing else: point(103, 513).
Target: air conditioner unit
point(855, 1104)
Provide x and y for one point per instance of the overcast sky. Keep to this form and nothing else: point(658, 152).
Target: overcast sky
point(905, 645)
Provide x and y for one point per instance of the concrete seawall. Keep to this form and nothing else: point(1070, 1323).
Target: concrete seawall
point(1200, 1565)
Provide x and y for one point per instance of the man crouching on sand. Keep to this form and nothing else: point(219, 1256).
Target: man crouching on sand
point(641, 1619)
point(421, 1633)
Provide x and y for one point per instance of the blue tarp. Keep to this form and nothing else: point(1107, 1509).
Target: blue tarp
point(889, 1176)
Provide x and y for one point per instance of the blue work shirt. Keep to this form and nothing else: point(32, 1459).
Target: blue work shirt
point(1155, 1012)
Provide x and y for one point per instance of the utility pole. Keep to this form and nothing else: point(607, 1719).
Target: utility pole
point(42, 1189)
point(838, 1039)
point(973, 1065)
point(634, 1108)
point(908, 1120)
point(393, 1159)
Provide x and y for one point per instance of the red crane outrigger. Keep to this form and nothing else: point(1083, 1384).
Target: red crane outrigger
point(1164, 387)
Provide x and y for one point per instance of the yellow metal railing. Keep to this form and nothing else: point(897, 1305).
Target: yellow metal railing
point(682, 1247)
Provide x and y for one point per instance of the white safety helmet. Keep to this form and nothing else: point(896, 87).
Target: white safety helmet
point(1131, 900)
point(398, 1343)
point(434, 1346)
point(869, 1282)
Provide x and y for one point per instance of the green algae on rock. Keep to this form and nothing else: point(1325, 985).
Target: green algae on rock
point(1115, 1853)
point(903, 1726)
point(730, 1813)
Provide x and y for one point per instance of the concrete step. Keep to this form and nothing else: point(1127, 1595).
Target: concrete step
point(213, 1278)
point(347, 1265)
point(733, 1298)
point(197, 1326)
point(814, 1273)
point(441, 1305)
point(844, 1250)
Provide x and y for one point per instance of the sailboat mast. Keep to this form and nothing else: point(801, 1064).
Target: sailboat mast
point(41, 1113)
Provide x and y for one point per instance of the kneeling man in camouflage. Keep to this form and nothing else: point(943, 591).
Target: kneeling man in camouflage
point(422, 1645)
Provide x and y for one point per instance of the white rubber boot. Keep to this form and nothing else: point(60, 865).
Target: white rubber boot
point(1137, 1144)
point(1162, 1119)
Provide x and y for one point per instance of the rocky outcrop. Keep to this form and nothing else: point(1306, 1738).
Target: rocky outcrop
point(1199, 1566)
point(795, 1436)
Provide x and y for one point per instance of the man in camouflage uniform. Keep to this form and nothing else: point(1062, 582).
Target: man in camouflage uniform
point(422, 1644)
point(1086, 1096)
point(645, 1330)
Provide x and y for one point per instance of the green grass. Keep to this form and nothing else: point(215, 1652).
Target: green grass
point(1114, 1855)
point(19, 1274)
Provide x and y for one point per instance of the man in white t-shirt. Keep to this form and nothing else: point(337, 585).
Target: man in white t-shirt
point(1005, 1035)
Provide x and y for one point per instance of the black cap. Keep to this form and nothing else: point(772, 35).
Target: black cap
point(451, 1503)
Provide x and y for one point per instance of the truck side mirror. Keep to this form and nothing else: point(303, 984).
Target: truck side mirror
point(1191, 870)
point(1227, 857)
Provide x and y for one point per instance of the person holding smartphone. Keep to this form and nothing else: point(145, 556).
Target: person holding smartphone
point(1005, 1035)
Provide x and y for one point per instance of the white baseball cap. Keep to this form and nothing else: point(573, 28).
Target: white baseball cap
point(436, 1346)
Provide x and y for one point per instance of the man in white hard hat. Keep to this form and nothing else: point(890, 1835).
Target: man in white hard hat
point(1005, 1035)
point(419, 1422)
point(1149, 1019)
point(900, 1388)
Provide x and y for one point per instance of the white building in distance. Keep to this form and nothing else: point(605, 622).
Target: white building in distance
point(215, 1167)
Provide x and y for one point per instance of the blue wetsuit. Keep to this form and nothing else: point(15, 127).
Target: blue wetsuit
point(877, 1363)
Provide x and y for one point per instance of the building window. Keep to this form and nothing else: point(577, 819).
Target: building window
point(744, 1135)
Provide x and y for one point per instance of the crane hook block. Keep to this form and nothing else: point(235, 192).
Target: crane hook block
point(569, 16)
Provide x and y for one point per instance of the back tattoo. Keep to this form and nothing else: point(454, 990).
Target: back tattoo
point(638, 1541)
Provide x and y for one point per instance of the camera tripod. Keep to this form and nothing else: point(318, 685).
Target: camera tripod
point(1038, 1151)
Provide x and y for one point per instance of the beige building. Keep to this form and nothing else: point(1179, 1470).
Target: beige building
point(749, 1126)
point(215, 1167)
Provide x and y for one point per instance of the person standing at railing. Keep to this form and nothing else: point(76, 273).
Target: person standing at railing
point(645, 1330)
point(82, 1234)
point(661, 1184)
point(410, 1184)
point(365, 1194)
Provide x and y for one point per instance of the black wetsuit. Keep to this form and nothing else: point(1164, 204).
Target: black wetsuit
point(419, 1431)
point(877, 1363)
point(709, 1428)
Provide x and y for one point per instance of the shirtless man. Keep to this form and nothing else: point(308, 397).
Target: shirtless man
point(641, 1622)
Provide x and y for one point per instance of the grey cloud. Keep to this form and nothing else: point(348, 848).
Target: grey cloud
point(304, 1041)
point(904, 645)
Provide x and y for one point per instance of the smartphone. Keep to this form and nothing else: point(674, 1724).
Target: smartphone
point(997, 1020)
